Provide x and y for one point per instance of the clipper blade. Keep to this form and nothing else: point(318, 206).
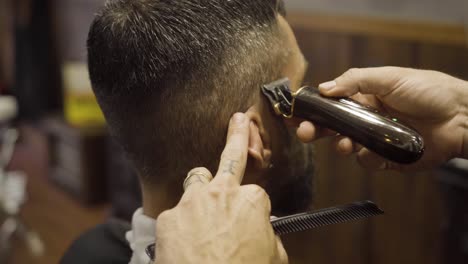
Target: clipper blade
point(324, 217)
point(279, 96)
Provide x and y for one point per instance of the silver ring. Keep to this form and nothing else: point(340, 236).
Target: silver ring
point(196, 177)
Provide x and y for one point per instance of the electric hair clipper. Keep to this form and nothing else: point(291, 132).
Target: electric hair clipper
point(365, 125)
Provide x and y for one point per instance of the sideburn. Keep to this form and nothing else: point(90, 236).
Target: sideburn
point(291, 184)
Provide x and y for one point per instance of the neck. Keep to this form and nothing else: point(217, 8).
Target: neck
point(157, 199)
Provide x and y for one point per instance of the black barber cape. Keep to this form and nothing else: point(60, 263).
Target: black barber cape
point(105, 244)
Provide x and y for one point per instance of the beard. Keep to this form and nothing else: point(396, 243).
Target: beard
point(291, 179)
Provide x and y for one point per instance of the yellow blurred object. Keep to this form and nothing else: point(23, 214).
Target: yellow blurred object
point(81, 107)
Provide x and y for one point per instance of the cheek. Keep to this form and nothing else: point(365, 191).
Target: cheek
point(280, 142)
point(253, 175)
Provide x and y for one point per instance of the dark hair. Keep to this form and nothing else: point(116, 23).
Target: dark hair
point(169, 74)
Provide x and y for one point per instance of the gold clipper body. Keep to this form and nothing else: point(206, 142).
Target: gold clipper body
point(365, 125)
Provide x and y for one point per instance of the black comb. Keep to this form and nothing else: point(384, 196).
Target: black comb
point(324, 217)
point(310, 220)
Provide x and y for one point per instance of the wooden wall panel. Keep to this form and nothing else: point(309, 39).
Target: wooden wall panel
point(420, 32)
point(445, 58)
point(6, 43)
point(327, 54)
point(409, 231)
point(380, 51)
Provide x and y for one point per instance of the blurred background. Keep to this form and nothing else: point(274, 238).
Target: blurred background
point(65, 175)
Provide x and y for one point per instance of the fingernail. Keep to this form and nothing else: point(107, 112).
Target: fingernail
point(238, 118)
point(327, 86)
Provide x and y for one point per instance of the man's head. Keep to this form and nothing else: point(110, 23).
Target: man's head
point(169, 75)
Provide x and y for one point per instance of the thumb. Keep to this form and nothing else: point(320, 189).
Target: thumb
point(375, 81)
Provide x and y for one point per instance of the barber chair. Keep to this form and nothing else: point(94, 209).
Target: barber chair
point(12, 188)
point(454, 183)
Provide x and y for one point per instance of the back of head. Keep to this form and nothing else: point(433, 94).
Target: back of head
point(169, 74)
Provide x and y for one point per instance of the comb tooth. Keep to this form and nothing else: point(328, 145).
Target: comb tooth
point(321, 220)
point(356, 213)
point(362, 213)
point(282, 232)
point(352, 214)
point(287, 228)
point(325, 219)
point(298, 225)
point(297, 228)
point(284, 229)
point(339, 217)
point(342, 217)
point(280, 226)
point(365, 212)
point(278, 229)
point(331, 218)
point(348, 217)
point(309, 224)
point(312, 222)
point(305, 224)
point(291, 227)
point(335, 218)
point(370, 210)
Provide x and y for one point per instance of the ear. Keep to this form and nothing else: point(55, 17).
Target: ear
point(259, 145)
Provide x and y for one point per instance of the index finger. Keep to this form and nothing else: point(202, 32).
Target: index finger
point(234, 157)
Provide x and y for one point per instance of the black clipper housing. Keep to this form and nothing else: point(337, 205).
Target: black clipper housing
point(365, 125)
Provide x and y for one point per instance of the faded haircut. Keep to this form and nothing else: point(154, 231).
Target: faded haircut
point(169, 74)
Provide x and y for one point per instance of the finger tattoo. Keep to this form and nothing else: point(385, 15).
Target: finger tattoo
point(231, 167)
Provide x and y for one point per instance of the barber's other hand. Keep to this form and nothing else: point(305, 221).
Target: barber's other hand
point(433, 103)
point(221, 221)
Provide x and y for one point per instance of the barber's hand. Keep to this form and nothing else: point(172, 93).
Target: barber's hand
point(220, 221)
point(433, 103)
